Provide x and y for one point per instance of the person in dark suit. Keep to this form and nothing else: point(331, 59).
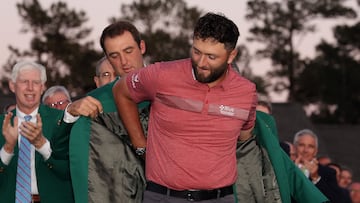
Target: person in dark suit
point(324, 177)
point(35, 141)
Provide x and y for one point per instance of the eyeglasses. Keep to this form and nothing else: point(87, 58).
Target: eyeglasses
point(105, 75)
point(59, 103)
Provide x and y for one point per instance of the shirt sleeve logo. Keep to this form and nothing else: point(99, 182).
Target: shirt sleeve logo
point(134, 80)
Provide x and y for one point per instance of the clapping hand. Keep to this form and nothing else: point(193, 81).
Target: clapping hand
point(10, 132)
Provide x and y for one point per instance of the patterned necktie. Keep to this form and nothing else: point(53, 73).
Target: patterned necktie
point(23, 176)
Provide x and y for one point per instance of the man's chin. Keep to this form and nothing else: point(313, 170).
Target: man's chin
point(201, 79)
point(126, 71)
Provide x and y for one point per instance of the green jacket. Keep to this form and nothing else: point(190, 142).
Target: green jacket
point(266, 173)
point(104, 167)
point(53, 175)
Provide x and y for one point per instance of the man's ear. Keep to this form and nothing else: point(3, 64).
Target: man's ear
point(232, 56)
point(142, 47)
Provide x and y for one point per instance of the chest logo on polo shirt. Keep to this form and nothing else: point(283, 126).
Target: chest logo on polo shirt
point(134, 80)
point(227, 110)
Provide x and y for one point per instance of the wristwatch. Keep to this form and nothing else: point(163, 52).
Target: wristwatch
point(140, 151)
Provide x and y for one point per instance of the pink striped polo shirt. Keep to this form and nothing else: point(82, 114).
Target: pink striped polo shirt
point(193, 129)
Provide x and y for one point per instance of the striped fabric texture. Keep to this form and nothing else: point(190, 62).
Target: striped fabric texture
point(23, 176)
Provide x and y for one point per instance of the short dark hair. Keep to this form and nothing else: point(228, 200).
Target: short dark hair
point(118, 28)
point(219, 28)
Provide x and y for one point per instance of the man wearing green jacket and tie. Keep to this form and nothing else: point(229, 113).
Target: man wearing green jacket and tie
point(34, 159)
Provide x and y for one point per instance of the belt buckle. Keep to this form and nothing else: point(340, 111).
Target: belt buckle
point(189, 196)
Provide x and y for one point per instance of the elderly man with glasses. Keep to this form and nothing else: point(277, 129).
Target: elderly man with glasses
point(56, 97)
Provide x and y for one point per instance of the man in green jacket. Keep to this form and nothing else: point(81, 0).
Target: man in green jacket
point(35, 139)
point(104, 166)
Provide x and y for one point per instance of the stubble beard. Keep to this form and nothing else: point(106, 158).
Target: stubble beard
point(214, 75)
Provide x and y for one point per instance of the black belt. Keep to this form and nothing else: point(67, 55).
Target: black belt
point(191, 195)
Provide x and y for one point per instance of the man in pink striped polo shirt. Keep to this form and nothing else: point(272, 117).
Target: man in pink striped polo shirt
point(200, 108)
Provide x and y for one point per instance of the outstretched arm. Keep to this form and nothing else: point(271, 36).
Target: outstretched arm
point(87, 106)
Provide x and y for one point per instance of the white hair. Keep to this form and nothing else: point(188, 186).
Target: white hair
point(305, 132)
point(26, 65)
point(54, 89)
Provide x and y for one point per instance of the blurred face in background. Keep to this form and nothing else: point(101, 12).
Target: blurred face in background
point(324, 160)
point(345, 178)
point(58, 100)
point(306, 147)
point(124, 54)
point(106, 74)
point(355, 192)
